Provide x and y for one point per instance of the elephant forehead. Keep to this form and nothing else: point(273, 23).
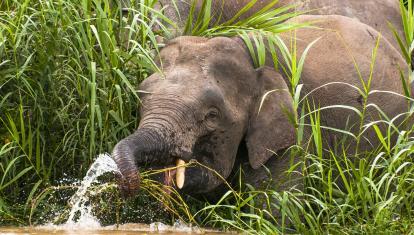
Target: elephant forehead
point(173, 79)
point(188, 50)
point(231, 75)
point(188, 80)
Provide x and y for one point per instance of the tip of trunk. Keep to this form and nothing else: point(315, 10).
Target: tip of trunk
point(128, 179)
point(128, 185)
point(138, 148)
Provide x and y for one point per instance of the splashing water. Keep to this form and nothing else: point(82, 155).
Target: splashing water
point(79, 201)
point(86, 223)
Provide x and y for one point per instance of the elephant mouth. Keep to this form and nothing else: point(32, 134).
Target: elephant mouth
point(175, 177)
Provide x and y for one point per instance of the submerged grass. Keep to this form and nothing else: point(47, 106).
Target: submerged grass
point(68, 77)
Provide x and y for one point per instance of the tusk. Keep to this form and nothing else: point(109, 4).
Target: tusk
point(180, 175)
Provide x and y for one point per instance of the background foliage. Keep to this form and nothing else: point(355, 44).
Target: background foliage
point(68, 74)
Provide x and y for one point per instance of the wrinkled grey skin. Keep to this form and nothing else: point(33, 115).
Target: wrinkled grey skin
point(201, 108)
point(376, 13)
point(331, 60)
point(205, 105)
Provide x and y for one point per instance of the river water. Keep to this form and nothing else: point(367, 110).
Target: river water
point(127, 229)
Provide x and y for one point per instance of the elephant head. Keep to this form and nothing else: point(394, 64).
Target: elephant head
point(202, 106)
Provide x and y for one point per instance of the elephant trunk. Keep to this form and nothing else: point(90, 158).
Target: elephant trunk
point(136, 149)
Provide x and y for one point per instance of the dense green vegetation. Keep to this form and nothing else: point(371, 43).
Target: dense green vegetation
point(68, 77)
point(67, 90)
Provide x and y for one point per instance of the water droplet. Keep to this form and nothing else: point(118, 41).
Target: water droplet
point(80, 201)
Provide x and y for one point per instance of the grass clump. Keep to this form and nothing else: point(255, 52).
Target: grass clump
point(67, 83)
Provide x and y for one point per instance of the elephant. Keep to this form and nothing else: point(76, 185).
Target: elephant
point(204, 105)
point(376, 13)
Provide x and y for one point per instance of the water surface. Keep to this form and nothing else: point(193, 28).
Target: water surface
point(127, 229)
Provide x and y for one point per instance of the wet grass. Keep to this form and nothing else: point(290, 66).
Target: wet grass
point(68, 77)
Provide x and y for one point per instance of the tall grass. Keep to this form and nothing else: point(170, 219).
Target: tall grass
point(267, 20)
point(68, 77)
point(406, 41)
point(68, 72)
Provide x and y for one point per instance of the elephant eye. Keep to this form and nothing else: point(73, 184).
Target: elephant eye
point(212, 114)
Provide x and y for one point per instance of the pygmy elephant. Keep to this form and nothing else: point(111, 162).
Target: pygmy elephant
point(204, 106)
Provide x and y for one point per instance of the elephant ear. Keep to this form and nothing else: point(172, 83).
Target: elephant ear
point(269, 128)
